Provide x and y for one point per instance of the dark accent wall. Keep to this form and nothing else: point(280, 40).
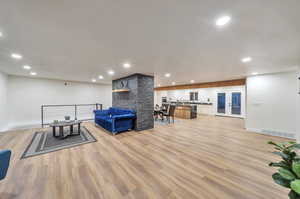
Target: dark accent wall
point(139, 98)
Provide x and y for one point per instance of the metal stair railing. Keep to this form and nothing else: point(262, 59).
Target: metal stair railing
point(97, 106)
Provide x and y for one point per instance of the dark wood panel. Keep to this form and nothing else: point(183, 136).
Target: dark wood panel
point(235, 82)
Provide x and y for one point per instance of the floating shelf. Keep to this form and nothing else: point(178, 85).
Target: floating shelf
point(120, 90)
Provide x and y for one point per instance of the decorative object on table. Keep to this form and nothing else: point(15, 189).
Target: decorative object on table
point(43, 142)
point(288, 174)
point(4, 162)
point(67, 118)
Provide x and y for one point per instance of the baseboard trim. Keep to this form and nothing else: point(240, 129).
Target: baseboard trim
point(4, 129)
point(273, 133)
point(23, 126)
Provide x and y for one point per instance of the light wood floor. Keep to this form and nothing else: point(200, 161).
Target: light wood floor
point(206, 158)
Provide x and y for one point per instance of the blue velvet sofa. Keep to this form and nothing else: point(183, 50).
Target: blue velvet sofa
point(4, 162)
point(115, 120)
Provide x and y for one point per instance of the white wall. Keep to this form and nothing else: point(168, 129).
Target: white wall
point(3, 102)
point(272, 104)
point(26, 95)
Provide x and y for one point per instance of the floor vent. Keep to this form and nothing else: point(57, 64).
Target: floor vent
point(278, 133)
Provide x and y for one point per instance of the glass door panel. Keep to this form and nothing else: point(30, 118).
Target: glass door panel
point(221, 103)
point(236, 103)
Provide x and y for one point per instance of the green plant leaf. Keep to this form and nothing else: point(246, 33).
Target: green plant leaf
point(295, 185)
point(283, 155)
point(279, 164)
point(290, 142)
point(296, 168)
point(294, 195)
point(294, 146)
point(286, 174)
point(275, 144)
point(280, 180)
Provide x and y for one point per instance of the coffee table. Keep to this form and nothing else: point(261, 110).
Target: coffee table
point(63, 124)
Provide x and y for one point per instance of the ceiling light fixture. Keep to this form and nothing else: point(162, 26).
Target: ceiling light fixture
point(126, 65)
point(223, 20)
point(111, 72)
point(1, 34)
point(26, 67)
point(254, 73)
point(158, 85)
point(94, 80)
point(100, 77)
point(33, 73)
point(192, 81)
point(246, 59)
point(167, 75)
point(16, 56)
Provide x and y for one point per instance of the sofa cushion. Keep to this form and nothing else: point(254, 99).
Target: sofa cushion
point(102, 117)
point(123, 116)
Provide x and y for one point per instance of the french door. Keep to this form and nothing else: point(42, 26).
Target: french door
point(230, 103)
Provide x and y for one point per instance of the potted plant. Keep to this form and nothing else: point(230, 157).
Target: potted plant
point(288, 173)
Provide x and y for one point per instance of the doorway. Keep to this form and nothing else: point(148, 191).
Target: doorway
point(230, 103)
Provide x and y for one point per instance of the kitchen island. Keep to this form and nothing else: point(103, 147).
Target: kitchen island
point(187, 111)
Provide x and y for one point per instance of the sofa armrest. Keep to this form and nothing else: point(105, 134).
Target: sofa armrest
point(4, 160)
point(125, 116)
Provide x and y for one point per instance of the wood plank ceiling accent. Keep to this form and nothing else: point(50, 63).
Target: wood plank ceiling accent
point(235, 82)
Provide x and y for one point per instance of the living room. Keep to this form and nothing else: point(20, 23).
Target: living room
point(149, 99)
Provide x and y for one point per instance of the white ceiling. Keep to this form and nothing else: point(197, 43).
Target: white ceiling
point(79, 40)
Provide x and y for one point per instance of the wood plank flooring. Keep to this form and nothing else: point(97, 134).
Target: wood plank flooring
point(206, 158)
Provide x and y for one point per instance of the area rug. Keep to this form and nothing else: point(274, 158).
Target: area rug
point(44, 142)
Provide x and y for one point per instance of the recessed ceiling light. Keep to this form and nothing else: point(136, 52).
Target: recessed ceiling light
point(1, 34)
point(93, 80)
point(33, 73)
point(254, 73)
point(173, 83)
point(192, 81)
point(26, 67)
point(167, 75)
point(223, 20)
point(126, 65)
point(100, 77)
point(246, 59)
point(16, 56)
point(111, 72)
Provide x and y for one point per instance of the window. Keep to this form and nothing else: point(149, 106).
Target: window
point(193, 96)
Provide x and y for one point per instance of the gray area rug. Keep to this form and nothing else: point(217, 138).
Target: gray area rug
point(44, 142)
